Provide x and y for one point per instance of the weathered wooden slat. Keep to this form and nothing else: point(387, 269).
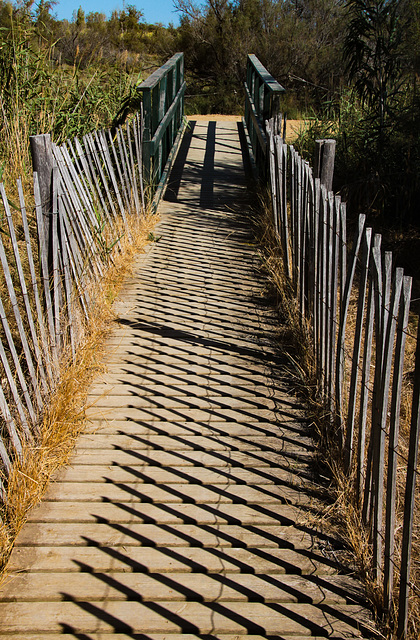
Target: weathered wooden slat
point(75, 260)
point(364, 397)
point(329, 291)
point(124, 169)
point(409, 500)
point(272, 173)
point(67, 279)
point(119, 168)
point(14, 390)
point(343, 251)
point(34, 283)
point(45, 275)
point(10, 424)
point(7, 467)
point(91, 160)
point(24, 291)
point(343, 316)
point(357, 346)
point(323, 262)
point(375, 277)
point(131, 167)
point(81, 227)
point(316, 291)
point(55, 251)
point(111, 173)
point(139, 149)
point(89, 243)
point(126, 165)
point(394, 422)
point(378, 471)
point(83, 193)
point(334, 298)
point(85, 171)
point(97, 153)
point(18, 317)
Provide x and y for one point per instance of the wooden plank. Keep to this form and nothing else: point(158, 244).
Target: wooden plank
point(7, 467)
point(45, 275)
point(111, 173)
point(131, 167)
point(14, 390)
point(316, 292)
point(334, 299)
point(100, 162)
point(376, 277)
point(343, 316)
point(409, 499)
point(88, 244)
point(77, 205)
point(209, 588)
point(124, 167)
point(101, 206)
point(364, 398)
point(118, 166)
point(273, 182)
point(323, 266)
point(34, 283)
point(170, 618)
point(24, 291)
point(378, 470)
point(67, 279)
point(138, 137)
point(357, 347)
point(57, 293)
point(83, 193)
point(18, 317)
point(10, 426)
point(394, 422)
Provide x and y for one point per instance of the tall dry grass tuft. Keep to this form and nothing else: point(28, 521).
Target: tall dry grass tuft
point(64, 419)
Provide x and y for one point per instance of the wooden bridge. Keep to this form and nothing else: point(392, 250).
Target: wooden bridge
point(192, 507)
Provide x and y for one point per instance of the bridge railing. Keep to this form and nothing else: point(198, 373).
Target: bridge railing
point(359, 360)
point(163, 105)
point(262, 102)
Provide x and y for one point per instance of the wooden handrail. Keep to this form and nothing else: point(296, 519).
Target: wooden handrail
point(163, 104)
point(262, 97)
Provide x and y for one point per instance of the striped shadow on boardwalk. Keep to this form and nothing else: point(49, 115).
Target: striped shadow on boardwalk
point(189, 507)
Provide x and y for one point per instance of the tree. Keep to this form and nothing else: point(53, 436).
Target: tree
point(373, 51)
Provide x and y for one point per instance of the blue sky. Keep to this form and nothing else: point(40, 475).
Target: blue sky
point(154, 10)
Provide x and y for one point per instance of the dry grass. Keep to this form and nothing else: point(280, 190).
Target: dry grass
point(64, 419)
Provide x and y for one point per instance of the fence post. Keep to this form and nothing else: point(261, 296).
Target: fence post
point(324, 162)
point(42, 163)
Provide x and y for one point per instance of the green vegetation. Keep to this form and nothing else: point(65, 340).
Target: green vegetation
point(66, 78)
point(350, 69)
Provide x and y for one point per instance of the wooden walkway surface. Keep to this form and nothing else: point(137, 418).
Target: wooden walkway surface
point(189, 508)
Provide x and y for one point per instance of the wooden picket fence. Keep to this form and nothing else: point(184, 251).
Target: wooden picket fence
point(54, 251)
point(360, 369)
point(87, 195)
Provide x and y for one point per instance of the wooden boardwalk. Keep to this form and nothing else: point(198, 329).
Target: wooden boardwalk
point(190, 508)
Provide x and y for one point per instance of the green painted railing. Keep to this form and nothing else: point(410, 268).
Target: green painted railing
point(262, 102)
point(163, 109)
